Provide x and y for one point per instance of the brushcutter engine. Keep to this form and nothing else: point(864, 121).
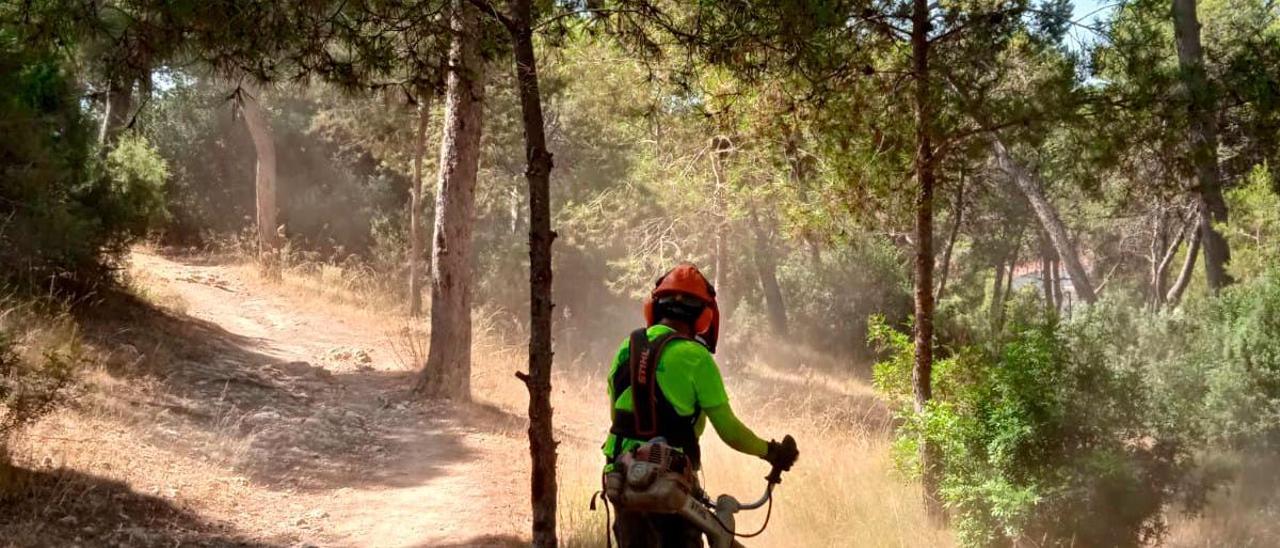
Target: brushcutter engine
point(656, 478)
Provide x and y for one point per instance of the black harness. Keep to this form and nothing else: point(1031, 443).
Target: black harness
point(653, 414)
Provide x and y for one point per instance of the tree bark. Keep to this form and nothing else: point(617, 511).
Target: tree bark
point(922, 372)
point(997, 295)
point(447, 373)
point(415, 207)
point(1203, 140)
point(1030, 185)
point(119, 106)
point(1056, 271)
point(1002, 294)
point(957, 218)
point(1161, 270)
point(767, 270)
point(1046, 275)
point(264, 179)
point(542, 444)
point(719, 148)
point(1008, 280)
point(1188, 268)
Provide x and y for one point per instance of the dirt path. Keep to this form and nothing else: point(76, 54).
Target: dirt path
point(318, 397)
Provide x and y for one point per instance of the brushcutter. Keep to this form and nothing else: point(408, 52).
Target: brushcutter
point(655, 478)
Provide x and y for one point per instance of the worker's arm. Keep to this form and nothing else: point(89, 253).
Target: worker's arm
point(734, 433)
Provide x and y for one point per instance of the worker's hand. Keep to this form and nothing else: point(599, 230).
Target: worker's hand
point(782, 455)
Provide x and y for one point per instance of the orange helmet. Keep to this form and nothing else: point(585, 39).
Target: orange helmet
point(686, 281)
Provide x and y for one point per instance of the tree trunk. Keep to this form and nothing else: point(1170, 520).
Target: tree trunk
point(1203, 137)
point(1056, 271)
point(119, 106)
point(957, 218)
point(997, 296)
point(415, 207)
point(1009, 290)
point(719, 148)
point(1046, 276)
point(1161, 270)
point(922, 372)
point(1188, 268)
point(1008, 280)
point(798, 162)
point(264, 179)
point(542, 444)
point(447, 373)
point(767, 269)
point(1030, 185)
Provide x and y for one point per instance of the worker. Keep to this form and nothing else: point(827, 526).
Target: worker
point(682, 330)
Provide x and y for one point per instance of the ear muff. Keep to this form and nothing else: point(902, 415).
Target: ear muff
point(703, 324)
point(708, 324)
point(711, 335)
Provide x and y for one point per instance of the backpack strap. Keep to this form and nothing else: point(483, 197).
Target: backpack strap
point(643, 362)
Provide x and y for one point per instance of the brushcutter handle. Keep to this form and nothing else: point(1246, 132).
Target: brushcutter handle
point(768, 493)
point(775, 476)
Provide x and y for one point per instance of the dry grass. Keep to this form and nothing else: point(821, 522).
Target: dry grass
point(150, 288)
point(40, 351)
point(355, 286)
point(1246, 513)
point(331, 289)
point(843, 491)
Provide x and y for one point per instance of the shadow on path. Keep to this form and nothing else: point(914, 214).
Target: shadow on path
point(287, 424)
point(68, 508)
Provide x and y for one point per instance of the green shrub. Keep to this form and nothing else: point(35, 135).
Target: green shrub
point(1254, 228)
point(44, 159)
point(136, 174)
point(1216, 362)
point(1043, 437)
point(64, 216)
